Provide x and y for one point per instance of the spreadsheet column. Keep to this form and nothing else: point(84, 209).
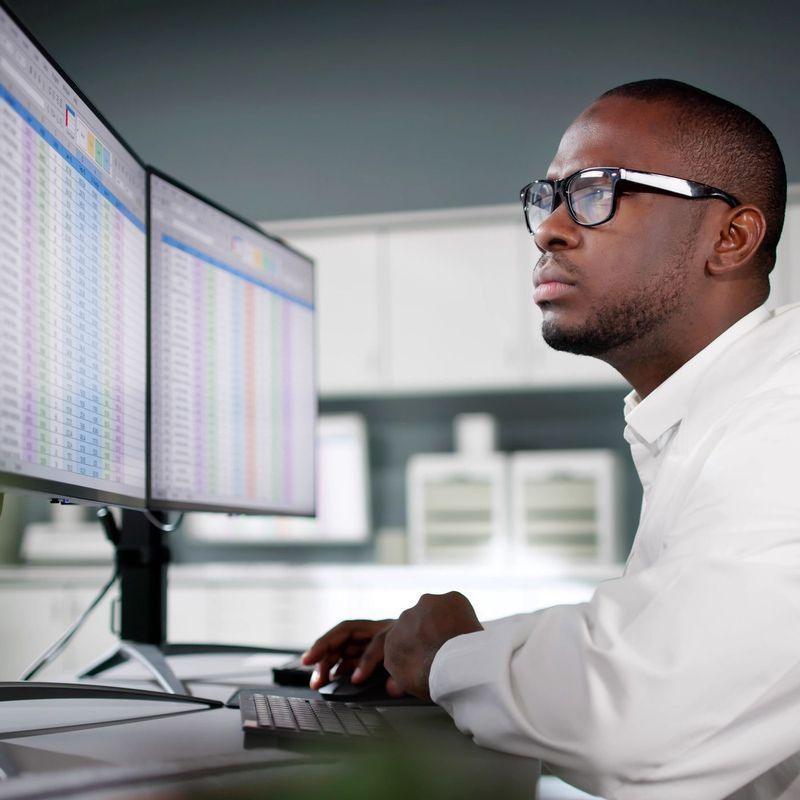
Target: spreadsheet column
point(12, 295)
point(173, 368)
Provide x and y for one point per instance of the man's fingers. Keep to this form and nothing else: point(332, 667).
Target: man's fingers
point(373, 655)
point(344, 667)
point(336, 637)
point(321, 674)
point(353, 649)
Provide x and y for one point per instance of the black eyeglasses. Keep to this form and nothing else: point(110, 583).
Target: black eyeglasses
point(591, 194)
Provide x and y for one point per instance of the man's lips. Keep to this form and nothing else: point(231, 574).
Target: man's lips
point(550, 283)
point(547, 291)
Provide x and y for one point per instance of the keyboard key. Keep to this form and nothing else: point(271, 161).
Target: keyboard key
point(350, 722)
point(262, 711)
point(331, 725)
point(327, 719)
point(372, 721)
point(304, 715)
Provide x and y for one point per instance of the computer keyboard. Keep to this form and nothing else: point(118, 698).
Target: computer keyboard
point(269, 713)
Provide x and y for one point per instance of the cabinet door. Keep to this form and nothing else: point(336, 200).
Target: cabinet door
point(35, 614)
point(348, 311)
point(30, 621)
point(454, 319)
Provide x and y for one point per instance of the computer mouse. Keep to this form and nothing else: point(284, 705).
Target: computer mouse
point(373, 688)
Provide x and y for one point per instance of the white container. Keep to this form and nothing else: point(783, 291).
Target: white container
point(475, 434)
point(565, 506)
point(457, 508)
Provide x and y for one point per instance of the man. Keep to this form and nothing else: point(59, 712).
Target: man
point(657, 225)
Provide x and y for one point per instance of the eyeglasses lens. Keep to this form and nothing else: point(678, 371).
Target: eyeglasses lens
point(591, 196)
point(538, 204)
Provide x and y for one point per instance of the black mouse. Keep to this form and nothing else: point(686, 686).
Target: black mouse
point(373, 688)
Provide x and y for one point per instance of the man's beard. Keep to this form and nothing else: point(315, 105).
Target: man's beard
point(623, 319)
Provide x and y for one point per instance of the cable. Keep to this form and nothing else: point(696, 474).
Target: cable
point(166, 527)
point(56, 648)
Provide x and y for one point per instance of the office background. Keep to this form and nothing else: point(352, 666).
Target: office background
point(326, 109)
point(321, 109)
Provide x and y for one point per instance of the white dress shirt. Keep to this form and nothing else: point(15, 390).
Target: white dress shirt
point(681, 679)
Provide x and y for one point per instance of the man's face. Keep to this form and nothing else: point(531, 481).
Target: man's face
point(637, 275)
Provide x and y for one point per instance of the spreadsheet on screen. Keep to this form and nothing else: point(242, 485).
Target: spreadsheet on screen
point(72, 286)
point(233, 403)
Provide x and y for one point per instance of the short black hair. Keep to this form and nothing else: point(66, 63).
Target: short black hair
point(724, 146)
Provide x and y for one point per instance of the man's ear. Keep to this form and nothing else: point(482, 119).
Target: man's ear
point(740, 234)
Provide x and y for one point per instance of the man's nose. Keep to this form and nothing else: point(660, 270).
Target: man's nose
point(557, 232)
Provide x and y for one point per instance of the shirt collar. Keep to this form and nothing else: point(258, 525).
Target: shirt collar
point(666, 405)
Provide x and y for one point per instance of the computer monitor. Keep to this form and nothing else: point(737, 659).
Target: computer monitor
point(232, 368)
point(72, 288)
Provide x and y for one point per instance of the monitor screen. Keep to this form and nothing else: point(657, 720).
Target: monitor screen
point(232, 384)
point(72, 288)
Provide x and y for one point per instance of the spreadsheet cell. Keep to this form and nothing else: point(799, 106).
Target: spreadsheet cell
point(72, 303)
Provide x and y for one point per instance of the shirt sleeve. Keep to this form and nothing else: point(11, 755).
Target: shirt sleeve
point(680, 681)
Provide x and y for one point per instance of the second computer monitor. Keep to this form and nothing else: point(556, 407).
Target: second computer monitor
point(232, 368)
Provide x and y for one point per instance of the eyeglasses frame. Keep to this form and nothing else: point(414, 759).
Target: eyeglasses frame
point(691, 190)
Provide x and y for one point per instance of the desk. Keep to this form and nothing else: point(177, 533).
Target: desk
point(180, 752)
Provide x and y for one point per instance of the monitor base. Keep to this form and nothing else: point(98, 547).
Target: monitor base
point(142, 558)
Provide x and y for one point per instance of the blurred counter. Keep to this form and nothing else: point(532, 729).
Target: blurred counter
point(283, 605)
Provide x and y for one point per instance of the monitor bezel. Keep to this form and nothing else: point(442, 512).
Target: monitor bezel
point(157, 504)
point(29, 483)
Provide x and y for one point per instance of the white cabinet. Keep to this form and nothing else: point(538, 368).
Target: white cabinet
point(462, 311)
point(349, 309)
point(33, 614)
point(442, 301)
point(453, 312)
point(433, 301)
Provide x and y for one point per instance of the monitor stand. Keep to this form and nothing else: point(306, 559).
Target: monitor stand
point(142, 557)
point(138, 572)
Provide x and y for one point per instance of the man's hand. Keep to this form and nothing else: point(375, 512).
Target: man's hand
point(354, 646)
point(413, 641)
